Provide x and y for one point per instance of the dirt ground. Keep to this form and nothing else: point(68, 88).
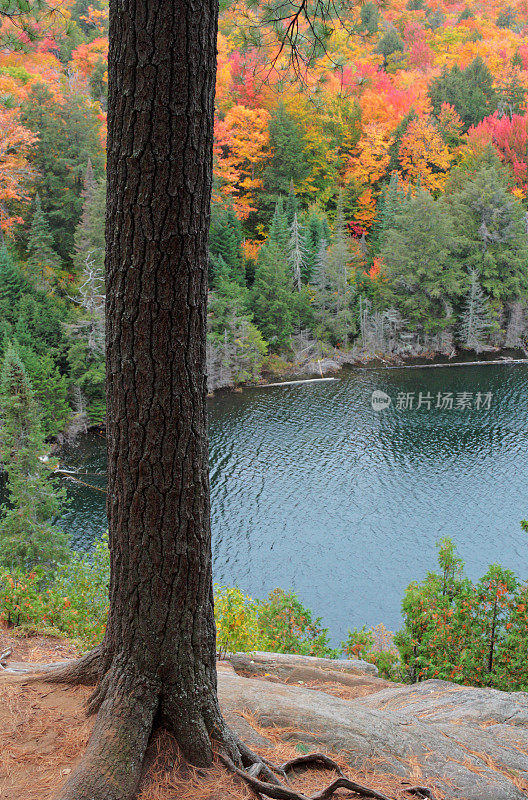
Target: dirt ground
point(44, 730)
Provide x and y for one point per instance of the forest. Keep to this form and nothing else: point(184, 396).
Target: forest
point(369, 199)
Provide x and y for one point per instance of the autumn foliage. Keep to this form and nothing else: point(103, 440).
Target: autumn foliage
point(16, 171)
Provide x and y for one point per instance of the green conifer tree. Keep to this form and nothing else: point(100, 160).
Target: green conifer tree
point(475, 318)
point(68, 135)
point(317, 230)
point(225, 244)
point(288, 161)
point(490, 224)
point(390, 44)
point(369, 16)
point(279, 232)
point(12, 285)
point(90, 232)
point(291, 206)
point(389, 204)
point(271, 299)
point(50, 388)
point(44, 264)
point(335, 299)
point(469, 90)
point(296, 252)
point(425, 277)
point(27, 535)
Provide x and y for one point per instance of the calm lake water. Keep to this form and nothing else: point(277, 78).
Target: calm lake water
point(313, 489)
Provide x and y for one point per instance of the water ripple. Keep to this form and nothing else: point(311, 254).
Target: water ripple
point(314, 490)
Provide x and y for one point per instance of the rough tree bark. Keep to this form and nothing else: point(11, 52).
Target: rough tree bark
point(158, 656)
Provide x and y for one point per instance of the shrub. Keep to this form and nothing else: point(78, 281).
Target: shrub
point(376, 646)
point(73, 602)
point(289, 626)
point(469, 633)
point(237, 622)
point(278, 624)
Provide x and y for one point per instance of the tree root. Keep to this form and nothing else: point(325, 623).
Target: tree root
point(126, 710)
point(112, 764)
point(278, 791)
point(421, 791)
point(83, 671)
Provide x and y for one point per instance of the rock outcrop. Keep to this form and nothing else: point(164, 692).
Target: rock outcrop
point(468, 743)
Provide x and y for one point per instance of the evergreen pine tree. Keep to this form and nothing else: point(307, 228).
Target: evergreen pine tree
point(235, 346)
point(68, 136)
point(86, 354)
point(490, 224)
point(44, 264)
point(369, 15)
point(338, 319)
point(291, 206)
point(87, 194)
point(50, 388)
point(435, 18)
point(475, 316)
point(225, 244)
point(321, 270)
point(390, 44)
point(296, 252)
point(271, 299)
point(470, 91)
point(12, 285)
point(389, 204)
point(317, 230)
point(27, 535)
point(90, 232)
point(279, 232)
point(87, 329)
point(425, 277)
point(288, 162)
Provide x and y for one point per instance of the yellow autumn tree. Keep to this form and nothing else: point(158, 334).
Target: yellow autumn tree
point(16, 172)
point(371, 157)
point(424, 156)
point(242, 147)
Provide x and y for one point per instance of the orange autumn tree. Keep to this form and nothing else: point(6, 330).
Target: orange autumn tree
point(242, 147)
point(424, 156)
point(367, 167)
point(16, 143)
point(97, 18)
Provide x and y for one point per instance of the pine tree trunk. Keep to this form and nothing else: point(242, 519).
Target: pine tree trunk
point(157, 661)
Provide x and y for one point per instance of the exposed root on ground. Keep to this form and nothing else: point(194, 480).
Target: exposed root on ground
point(83, 671)
point(280, 791)
point(130, 707)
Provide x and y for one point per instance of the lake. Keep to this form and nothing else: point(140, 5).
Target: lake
point(313, 489)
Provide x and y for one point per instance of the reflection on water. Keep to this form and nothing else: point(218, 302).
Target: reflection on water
point(313, 489)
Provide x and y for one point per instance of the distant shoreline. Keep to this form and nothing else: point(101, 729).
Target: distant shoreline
point(335, 364)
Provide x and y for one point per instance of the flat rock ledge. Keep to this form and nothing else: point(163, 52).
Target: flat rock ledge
point(283, 664)
point(466, 742)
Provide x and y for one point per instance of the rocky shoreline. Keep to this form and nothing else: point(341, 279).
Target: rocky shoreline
point(339, 361)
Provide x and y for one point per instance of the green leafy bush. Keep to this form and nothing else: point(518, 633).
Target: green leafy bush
point(73, 602)
point(289, 626)
point(237, 622)
point(376, 646)
point(469, 633)
point(279, 624)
